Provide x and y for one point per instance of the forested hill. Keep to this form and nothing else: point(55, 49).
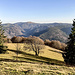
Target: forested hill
point(51, 31)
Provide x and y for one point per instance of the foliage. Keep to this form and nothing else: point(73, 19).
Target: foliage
point(9, 40)
point(2, 49)
point(55, 44)
point(69, 55)
point(47, 42)
point(35, 42)
point(36, 39)
point(35, 45)
point(2, 37)
point(16, 39)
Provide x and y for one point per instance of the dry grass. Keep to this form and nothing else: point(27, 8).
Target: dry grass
point(28, 64)
point(47, 51)
point(22, 68)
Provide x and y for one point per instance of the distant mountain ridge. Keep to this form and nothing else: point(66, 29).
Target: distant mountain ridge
point(36, 29)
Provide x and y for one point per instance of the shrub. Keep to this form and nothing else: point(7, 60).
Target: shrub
point(26, 39)
point(63, 45)
point(32, 39)
point(9, 40)
point(3, 49)
point(55, 44)
point(23, 39)
point(47, 42)
point(16, 39)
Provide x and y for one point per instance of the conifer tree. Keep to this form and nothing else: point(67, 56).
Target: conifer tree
point(2, 39)
point(69, 55)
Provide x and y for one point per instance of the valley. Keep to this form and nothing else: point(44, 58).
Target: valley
point(51, 31)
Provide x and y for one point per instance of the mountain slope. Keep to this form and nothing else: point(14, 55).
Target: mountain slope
point(54, 33)
point(36, 29)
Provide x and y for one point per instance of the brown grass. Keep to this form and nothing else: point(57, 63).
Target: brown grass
point(29, 64)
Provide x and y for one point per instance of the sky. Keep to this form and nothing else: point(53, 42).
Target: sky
point(39, 11)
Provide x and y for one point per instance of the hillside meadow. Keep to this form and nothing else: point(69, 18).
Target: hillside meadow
point(49, 62)
point(47, 51)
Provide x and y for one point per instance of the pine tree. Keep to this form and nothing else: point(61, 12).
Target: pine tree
point(2, 39)
point(69, 56)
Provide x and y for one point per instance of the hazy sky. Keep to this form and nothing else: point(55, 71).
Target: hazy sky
point(40, 11)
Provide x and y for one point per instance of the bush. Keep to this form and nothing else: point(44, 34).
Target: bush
point(9, 40)
point(27, 39)
point(23, 39)
point(47, 42)
point(63, 45)
point(2, 49)
point(31, 39)
point(55, 44)
point(16, 39)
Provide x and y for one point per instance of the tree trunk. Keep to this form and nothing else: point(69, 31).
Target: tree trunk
point(36, 53)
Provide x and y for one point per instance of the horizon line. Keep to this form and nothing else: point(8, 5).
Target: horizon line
point(32, 22)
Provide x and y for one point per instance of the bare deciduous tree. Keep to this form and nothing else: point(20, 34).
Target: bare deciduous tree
point(34, 45)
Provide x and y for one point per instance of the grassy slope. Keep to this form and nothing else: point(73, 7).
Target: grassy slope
point(46, 52)
point(29, 64)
